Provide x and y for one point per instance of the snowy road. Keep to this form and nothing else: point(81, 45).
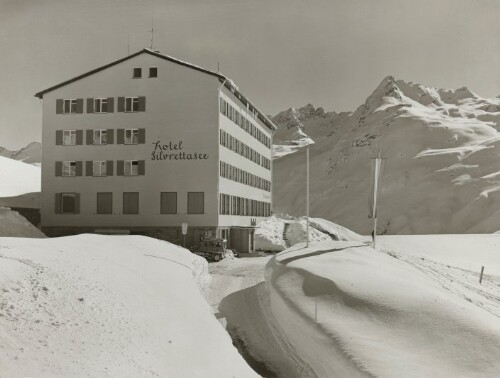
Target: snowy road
point(240, 300)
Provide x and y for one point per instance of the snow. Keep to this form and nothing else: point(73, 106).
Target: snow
point(15, 225)
point(442, 149)
point(275, 233)
point(350, 311)
point(18, 178)
point(108, 306)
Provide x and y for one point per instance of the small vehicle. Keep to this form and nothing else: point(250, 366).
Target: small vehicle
point(213, 249)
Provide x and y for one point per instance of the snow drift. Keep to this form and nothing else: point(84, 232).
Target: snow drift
point(15, 225)
point(108, 306)
point(18, 178)
point(350, 311)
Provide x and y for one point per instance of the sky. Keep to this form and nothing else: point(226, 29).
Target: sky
point(280, 53)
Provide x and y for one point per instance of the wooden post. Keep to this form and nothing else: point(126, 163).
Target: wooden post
point(481, 274)
point(307, 196)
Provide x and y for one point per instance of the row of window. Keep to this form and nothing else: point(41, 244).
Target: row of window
point(239, 175)
point(235, 145)
point(101, 105)
point(101, 168)
point(244, 122)
point(69, 203)
point(137, 72)
point(100, 137)
point(233, 205)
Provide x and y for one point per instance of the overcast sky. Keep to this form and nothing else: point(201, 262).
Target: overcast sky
point(280, 53)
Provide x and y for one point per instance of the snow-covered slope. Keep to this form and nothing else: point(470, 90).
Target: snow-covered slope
point(346, 310)
point(18, 178)
point(108, 306)
point(14, 224)
point(443, 153)
point(31, 154)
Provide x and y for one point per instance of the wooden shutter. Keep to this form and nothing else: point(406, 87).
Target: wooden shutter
point(90, 136)
point(58, 168)
point(109, 168)
point(196, 202)
point(110, 136)
point(79, 105)
point(89, 168)
point(59, 106)
point(57, 208)
point(130, 203)
point(142, 104)
point(111, 105)
point(120, 167)
point(121, 104)
point(142, 167)
point(168, 203)
point(90, 105)
point(79, 168)
point(105, 203)
point(141, 137)
point(120, 136)
point(79, 137)
point(77, 202)
point(59, 137)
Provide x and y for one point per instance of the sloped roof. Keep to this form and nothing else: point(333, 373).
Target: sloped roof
point(228, 83)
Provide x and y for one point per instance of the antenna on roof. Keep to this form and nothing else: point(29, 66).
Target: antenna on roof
point(152, 30)
point(218, 67)
point(128, 44)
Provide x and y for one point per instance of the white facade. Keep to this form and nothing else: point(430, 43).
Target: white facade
point(181, 123)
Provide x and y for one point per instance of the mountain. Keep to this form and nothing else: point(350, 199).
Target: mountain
point(31, 154)
point(442, 171)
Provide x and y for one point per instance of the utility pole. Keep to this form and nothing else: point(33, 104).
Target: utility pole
point(307, 195)
point(377, 170)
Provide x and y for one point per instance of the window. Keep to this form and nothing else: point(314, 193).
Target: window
point(69, 137)
point(130, 203)
point(105, 203)
point(153, 71)
point(68, 203)
point(100, 137)
point(99, 168)
point(131, 168)
point(196, 203)
point(69, 168)
point(168, 203)
point(100, 105)
point(137, 73)
point(131, 136)
point(131, 104)
point(69, 106)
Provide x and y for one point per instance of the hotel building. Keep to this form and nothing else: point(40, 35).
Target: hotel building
point(148, 142)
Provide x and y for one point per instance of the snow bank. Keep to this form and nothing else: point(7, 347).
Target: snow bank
point(269, 235)
point(335, 231)
point(297, 233)
point(18, 177)
point(13, 224)
point(108, 306)
point(350, 311)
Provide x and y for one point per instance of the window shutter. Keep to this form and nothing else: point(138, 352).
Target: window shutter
point(58, 168)
point(120, 136)
point(79, 168)
point(90, 105)
point(110, 136)
point(142, 104)
point(57, 208)
point(196, 202)
point(109, 168)
point(121, 104)
point(141, 137)
point(77, 202)
point(79, 137)
point(119, 167)
point(111, 105)
point(89, 168)
point(90, 136)
point(168, 203)
point(142, 168)
point(59, 106)
point(79, 105)
point(59, 137)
